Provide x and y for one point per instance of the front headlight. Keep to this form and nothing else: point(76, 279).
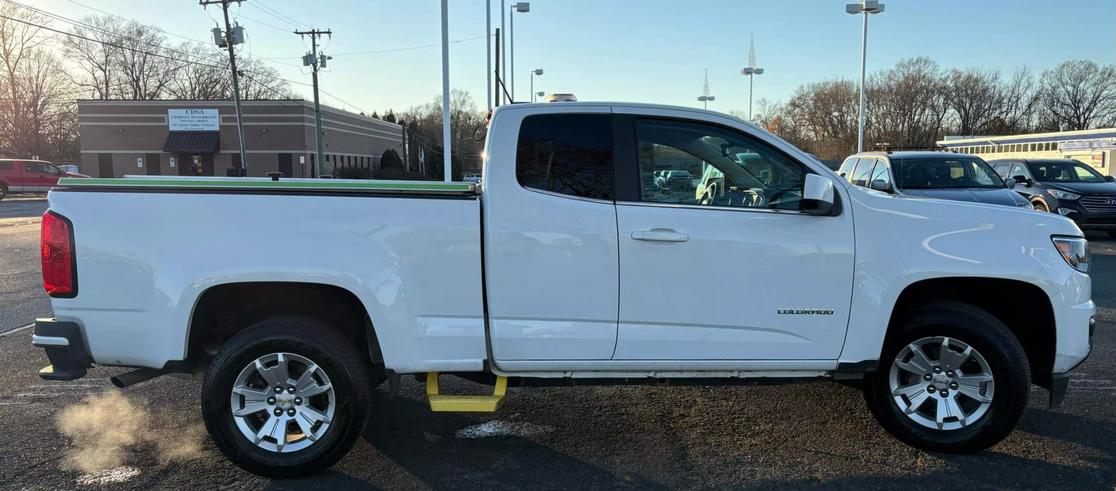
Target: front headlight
point(1075, 250)
point(1064, 195)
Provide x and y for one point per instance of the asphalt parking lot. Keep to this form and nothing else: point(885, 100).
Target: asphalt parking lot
point(814, 434)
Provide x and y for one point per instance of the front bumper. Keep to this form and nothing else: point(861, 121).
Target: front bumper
point(65, 348)
point(1085, 218)
point(1058, 384)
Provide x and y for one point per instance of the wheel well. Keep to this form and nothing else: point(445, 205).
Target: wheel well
point(224, 310)
point(1022, 306)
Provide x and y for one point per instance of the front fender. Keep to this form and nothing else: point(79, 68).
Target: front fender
point(901, 241)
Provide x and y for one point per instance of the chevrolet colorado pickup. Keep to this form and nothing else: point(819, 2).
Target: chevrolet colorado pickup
point(293, 298)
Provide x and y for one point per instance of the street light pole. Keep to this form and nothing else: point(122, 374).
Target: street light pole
point(488, 48)
point(537, 71)
point(865, 8)
point(447, 159)
point(521, 7)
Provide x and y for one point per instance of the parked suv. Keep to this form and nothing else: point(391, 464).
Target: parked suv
point(942, 175)
point(1068, 187)
point(29, 176)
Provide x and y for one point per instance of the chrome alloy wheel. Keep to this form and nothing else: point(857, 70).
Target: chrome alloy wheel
point(283, 402)
point(941, 383)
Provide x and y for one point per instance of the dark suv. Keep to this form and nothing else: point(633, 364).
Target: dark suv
point(1068, 187)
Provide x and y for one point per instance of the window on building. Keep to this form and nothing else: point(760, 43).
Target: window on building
point(568, 154)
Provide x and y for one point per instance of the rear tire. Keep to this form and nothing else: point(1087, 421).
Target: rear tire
point(3, 192)
point(995, 355)
point(318, 364)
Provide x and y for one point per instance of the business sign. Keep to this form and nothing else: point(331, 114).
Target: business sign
point(193, 119)
point(1098, 144)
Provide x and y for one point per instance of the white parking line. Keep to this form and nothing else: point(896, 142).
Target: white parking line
point(18, 329)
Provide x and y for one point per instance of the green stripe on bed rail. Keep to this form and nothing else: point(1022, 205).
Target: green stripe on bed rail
point(323, 185)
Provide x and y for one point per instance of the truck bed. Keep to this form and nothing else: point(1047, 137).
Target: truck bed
point(149, 248)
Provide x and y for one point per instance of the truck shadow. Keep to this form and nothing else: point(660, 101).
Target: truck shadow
point(423, 449)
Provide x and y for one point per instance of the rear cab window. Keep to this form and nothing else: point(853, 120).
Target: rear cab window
point(569, 154)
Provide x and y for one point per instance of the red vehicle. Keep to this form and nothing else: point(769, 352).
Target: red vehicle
point(29, 176)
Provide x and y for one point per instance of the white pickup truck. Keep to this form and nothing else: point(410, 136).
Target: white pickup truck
point(569, 264)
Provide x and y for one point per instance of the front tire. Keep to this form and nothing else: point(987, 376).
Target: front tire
point(953, 378)
point(1041, 206)
point(286, 397)
point(3, 192)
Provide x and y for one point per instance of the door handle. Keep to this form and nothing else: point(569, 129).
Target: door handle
point(660, 235)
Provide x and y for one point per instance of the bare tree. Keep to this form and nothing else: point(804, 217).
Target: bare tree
point(258, 81)
point(206, 77)
point(145, 64)
point(1080, 94)
point(975, 97)
point(33, 85)
point(93, 48)
point(907, 104)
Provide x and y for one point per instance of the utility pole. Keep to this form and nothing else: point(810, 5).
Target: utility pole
point(230, 39)
point(316, 62)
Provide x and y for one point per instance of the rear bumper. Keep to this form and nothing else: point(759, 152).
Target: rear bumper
point(65, 348)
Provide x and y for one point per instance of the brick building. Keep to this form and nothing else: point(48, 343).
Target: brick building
point(199, 138)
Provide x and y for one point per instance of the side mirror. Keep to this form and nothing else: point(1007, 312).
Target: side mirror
point(818, 195)
point(1009, 183)
point(1022, 180)
point(1110, 178)
point(881, 185)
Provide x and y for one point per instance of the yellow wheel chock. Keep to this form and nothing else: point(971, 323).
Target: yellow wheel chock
point(465, 404)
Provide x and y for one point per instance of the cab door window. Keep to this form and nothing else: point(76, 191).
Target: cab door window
point(697, 164)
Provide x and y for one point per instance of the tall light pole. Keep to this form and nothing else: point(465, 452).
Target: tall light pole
point(705, 97)
point(502, 60)
point(523, 8)
point(488, 48)
point(447, 160)
point(865, 8)
point(751, 71)
point(537, 71)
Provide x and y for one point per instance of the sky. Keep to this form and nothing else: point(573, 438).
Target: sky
point(386, 52)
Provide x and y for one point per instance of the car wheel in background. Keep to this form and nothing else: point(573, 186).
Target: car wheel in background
point(3, 191)
point(1041, 206)
point(286, 397)
point(953, 378)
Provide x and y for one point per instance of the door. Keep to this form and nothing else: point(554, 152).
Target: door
point(154, 167)
point(729, 269)
point(39, 177)
point(104, 165)
point(550, 238)
point(285, 165)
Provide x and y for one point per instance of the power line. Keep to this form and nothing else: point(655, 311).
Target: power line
point(110, 14)
point(262, 7)
point(378, 51)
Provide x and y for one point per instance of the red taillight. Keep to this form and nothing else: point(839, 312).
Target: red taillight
point(59, 261)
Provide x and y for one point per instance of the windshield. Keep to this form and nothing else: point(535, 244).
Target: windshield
point(945, 172)
point(1064, 172)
